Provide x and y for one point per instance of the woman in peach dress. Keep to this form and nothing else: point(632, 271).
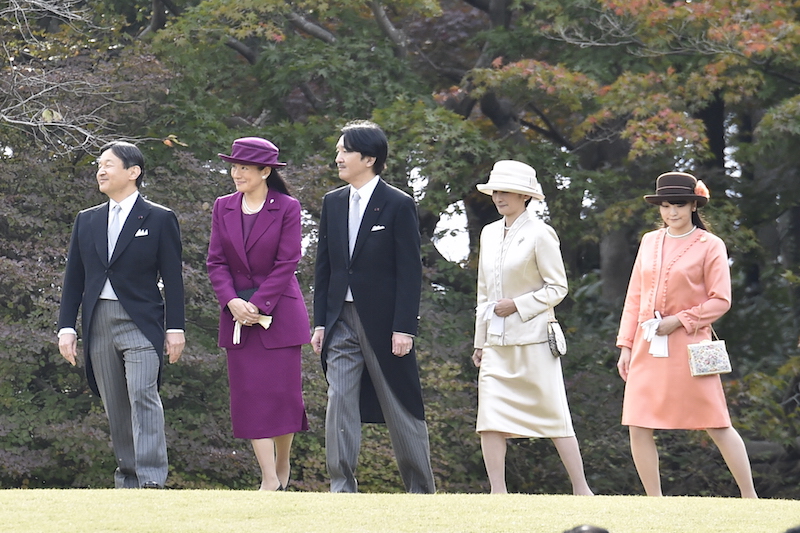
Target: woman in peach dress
point(681, 281)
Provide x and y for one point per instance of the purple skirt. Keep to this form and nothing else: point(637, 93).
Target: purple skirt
point(266, 391)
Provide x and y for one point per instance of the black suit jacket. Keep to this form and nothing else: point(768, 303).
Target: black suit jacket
point(148, 250)
point(385, 276)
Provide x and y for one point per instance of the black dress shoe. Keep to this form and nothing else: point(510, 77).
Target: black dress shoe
point(150, 485)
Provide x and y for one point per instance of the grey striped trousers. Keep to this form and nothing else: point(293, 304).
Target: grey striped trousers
point(126, 369)
point(348, 355)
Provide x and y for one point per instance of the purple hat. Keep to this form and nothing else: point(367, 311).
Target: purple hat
point(253, 151)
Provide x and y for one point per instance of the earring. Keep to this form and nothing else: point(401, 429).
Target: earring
point(264, 177)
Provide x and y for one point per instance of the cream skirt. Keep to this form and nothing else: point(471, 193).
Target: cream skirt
point(521, 392)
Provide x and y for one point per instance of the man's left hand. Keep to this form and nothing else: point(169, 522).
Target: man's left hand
point(401, 344)
point(174, 345)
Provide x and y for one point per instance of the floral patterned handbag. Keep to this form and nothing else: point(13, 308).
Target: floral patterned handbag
point(707, 358)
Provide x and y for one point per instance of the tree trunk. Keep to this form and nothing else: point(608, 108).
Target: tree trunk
point(616, 262)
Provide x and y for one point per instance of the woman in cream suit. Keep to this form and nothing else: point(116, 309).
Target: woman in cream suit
point(521, 278)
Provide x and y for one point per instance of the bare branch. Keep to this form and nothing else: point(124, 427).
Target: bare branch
point(158, 19)
point(394, 34)
point(248, 53)
point(310, 28)
point(59, 108)
point(315, 102)
point(33, 106)
point(175, 10)
point(483, 5)
point(22, 11)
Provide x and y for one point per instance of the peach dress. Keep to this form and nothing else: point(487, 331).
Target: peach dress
point(688, 278)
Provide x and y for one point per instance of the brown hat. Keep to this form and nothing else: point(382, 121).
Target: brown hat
point(679, 187)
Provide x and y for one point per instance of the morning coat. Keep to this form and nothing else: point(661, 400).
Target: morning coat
point(385, 276)
point(148, 251)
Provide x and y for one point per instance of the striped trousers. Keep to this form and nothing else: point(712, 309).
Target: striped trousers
point(126, 369)
point(349, 354)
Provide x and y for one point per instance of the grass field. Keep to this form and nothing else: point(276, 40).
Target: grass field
point(201, 511)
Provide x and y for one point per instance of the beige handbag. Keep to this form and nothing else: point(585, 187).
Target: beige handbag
point(707, 358)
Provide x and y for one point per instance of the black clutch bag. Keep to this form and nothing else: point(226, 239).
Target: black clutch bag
point(246, 294)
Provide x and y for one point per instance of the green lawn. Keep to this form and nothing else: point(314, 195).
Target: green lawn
point(200, 511)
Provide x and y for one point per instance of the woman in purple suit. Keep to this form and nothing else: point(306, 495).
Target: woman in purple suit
point(252, 256)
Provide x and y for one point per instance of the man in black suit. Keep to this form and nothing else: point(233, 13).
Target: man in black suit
point(366, 304)
point(118, 252)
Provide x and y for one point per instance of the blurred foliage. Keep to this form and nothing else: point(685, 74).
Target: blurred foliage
point(599, 96)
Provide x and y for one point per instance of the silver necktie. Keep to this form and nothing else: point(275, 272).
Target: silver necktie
point(113, 229)
point(353, 221)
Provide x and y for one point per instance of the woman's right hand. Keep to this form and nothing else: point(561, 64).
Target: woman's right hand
point(243, 311)
point(624, 363)
point(477, 356)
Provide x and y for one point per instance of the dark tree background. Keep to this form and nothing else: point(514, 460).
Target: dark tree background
point(600, 96)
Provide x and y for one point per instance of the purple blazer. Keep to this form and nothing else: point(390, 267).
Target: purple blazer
point(267, 260)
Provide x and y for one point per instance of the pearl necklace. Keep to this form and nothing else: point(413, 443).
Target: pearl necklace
point(683, 235)
point(246, 208)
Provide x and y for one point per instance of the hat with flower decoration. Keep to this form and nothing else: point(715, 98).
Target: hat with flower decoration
point(679, 187)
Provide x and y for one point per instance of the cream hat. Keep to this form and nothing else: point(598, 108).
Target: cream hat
point(513, 176)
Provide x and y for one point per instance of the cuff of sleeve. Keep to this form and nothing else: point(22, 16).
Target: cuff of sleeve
point(64, 331)
point(175, 331)
point(689, 324)
point(519, 303)
point(624, 343)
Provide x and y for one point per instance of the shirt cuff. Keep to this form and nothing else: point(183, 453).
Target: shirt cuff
point(406, 334)
point(64, 331)
point(175, 331)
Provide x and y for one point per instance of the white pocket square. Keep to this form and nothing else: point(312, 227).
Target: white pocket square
point(377, 228)
point(142, 233)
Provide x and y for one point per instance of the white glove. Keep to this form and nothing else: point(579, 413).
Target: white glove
point(496, 323)
point(659, 345)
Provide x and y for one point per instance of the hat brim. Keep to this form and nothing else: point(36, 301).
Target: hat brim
point(486, 188)
point(656, 199)
point(230, 159)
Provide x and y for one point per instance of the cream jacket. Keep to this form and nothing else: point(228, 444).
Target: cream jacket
point(527, 267)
